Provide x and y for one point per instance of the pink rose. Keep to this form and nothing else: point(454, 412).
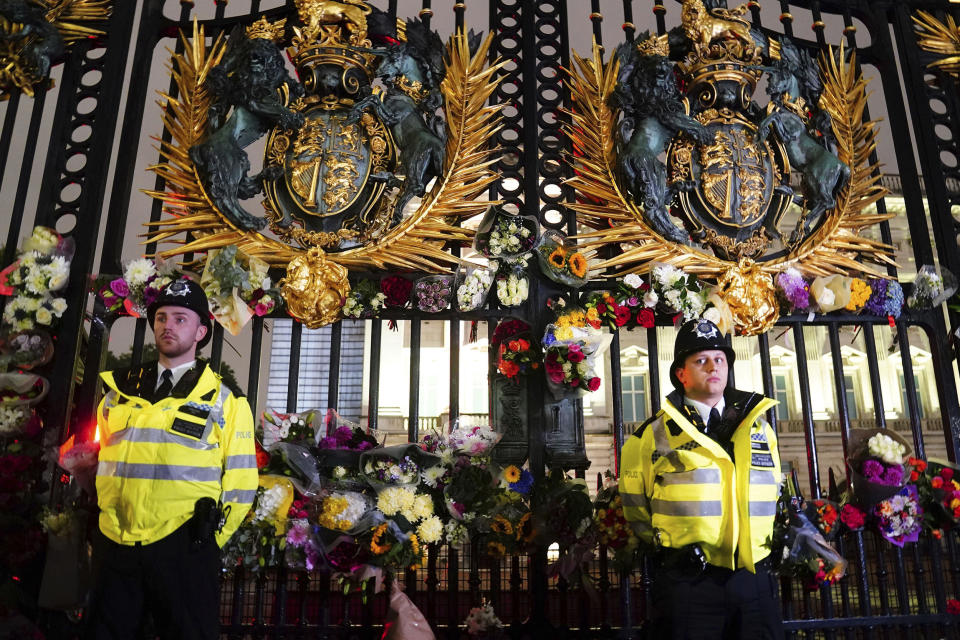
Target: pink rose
point(261, 309)
point(555, 376)
point(575, 383)
point(575, 356)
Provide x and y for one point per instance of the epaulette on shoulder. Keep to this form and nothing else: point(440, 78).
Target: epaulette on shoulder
point(234, 389)
point(643, 427)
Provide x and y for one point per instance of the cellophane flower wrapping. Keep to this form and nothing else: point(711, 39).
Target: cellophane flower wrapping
point(473, 286)
point(931, 289)
point(365, 300)
point(512, 281)
point(876, 460)
point(561, 260)
point(678, 292)
point(503, 236)
point(41, 270)
point(570, 351)
point(899, 518)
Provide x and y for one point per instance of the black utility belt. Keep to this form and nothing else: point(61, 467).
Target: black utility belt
point(690, 559)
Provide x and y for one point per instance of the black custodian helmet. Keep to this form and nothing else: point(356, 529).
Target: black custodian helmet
point(187, 294)
point(695, 336)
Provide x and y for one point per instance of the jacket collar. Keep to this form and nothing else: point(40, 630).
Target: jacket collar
point(737, 404)
point(140, 381)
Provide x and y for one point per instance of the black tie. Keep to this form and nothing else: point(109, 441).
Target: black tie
point(713, 424)
point(166, 385)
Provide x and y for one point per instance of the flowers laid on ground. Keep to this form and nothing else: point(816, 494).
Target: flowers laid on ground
point(502, 235)
point(42, 268)
point(396, 291)
point(517, 352)
point(513, 283)
point(482, 621)
point(931, 289)
point(237, 287)
point(365, 300)
point(678, 292)
point(472, 291)
point(613, 530)
point(561, 261)
point(432, 293)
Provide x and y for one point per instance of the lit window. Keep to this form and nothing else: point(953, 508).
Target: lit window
point(850, 391)
point(916, 395)
point(634, 389)
point(782, 395)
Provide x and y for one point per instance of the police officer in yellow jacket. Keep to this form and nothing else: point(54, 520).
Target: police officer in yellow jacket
point(700, 481)
point(177, 474)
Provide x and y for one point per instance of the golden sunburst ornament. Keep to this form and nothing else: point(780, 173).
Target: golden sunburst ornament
point(836, 246)
point(315, 276)
point(939, 38)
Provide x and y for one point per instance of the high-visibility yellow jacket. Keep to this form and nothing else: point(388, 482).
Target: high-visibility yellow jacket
point(157, 460)
point(680, 486)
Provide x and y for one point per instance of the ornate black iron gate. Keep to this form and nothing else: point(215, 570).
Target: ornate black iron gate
point(94, 125)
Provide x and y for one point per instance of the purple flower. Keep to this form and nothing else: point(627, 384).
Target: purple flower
point(298, 535)
point(872, 470)
point(795, 289)
point(343, 435)
point(363, 446)
point(120, 287)
point(633, 301)
point(892, 476)
point(327, 443)
point(886, 298)
point(149, 295)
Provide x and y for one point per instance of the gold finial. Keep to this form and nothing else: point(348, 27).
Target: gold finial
point(267, 30)
point(654, 46)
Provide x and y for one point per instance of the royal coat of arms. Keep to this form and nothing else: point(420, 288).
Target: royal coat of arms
point(377, 110)
point(679, 163)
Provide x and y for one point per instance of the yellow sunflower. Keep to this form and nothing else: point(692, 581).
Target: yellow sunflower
point(496, 550)
point(524, 529)
point(501, 525)
point(511, 473)
point(578, 264)
point(375, 545)
point(557, 258)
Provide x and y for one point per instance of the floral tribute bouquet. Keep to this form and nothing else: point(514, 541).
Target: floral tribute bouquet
point(507, 528)
point(473, 286)
point(876, 460)
point(517, 353)
point(41, 269)
point(513, 283)
point(831, 292)
point(25, 349)
point(793, 291)
point(483, 623)
point(939, 492)
point(22, 389)
point(432, 293)
point(139, 286)
point(799, 544)
point(396, 291)
point(237, 287)
point(613, 530)
point(571, 347)
point(561, 512)
point(560, 260)
point(628, 306)
point(261, 540)
point(365, 300)
point(502, 235)
point(930, 289)
point(886, 298)
point(899, 518)
point(678, 292)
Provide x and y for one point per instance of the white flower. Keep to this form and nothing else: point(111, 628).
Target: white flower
point(886, 448)
point(10, 418)
point(269, 502)
point(58, 306)
point(44, 316)
point(430, 530)
point(433, 475)
point(650, 299)
point(58, 272)
point(633, 280)
point(827, 297)
point(512, 290)
point(713, 315)
point(339, 472)
point(139, 271)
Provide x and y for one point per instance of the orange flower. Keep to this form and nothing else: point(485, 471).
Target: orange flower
point(578, 265)
point(557, 258)
point(375, 546)
point(508, 368)
point(496, 549)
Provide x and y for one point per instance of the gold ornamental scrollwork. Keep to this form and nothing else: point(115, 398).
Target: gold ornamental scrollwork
point(836, 246)
point(942, 39)
point(316, 278)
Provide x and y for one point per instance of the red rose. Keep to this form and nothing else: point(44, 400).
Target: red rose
point(946, 473)
point(936, 482)
point(953, 606)
point(397, 290)
point(645, 318)
point(852, 517)
point(914, 476)
point(623, 316)
point(575, 355)
point(601, 308)
point(593, 383)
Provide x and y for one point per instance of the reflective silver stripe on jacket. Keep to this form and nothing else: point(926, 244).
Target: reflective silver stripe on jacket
point(688, 508)
point(697, 476)
point(634, 500)
point(216, 413)
point(242, 496)
point(156, 436)
point(763, 509)
point(763, 477)
point(146, 471)
point(240, 461)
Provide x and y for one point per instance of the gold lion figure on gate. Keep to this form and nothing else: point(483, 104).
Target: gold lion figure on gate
point(703, 26)
point(314, 13)
point(314, 288)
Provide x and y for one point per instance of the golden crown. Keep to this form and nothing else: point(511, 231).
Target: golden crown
point(267, 30)
point(654, 46)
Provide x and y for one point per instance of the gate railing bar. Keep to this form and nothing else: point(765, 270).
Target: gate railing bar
point(26, 169)
point(806, 409)
point(629, 29)
point(333, 376)
point(293, 367)
point(454, 399)
point(216, 346)
point(373, 393)
point(253, 372)
point(414, 411)
point(6, 137)
point(766, 372)
point(910, 386)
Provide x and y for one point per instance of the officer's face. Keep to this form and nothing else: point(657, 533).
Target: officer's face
point(177, 331)
point(704, 375)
